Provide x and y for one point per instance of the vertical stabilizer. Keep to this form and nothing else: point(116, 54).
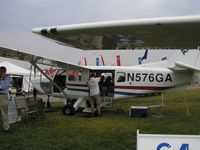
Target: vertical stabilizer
point(190, 57)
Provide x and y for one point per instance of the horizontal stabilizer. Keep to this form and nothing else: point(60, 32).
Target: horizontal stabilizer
point(180, 66)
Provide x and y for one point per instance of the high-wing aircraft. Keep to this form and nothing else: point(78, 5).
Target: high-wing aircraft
point(70, 80)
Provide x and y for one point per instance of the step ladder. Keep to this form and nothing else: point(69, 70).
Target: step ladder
point(87, 110)
point(106, 101)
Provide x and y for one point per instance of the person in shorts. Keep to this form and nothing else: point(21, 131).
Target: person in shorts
point(94, 94)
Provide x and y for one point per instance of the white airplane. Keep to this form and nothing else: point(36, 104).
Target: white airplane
point(70, 81)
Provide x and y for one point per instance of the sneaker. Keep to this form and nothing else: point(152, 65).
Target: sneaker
point(8, 131)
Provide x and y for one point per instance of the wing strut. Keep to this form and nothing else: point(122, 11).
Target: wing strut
point(51, 81)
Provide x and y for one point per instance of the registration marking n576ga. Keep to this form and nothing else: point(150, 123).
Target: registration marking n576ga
point(151, 77)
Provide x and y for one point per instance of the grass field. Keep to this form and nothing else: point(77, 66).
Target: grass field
point(180, 115)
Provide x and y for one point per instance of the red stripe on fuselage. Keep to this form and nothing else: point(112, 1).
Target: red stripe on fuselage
point(80, 85)
point(128, 87)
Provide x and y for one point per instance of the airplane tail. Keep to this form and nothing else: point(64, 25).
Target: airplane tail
point(182, 60)
point(186, 59)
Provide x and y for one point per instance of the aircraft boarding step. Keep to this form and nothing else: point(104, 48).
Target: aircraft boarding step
point(87, 110)
point(103, 104)
point(107, 101)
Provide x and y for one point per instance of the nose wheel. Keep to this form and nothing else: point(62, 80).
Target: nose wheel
point(69, 110)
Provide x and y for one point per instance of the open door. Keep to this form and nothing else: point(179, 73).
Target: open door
point(106, 84)
point(60, 80)
point(76, 83)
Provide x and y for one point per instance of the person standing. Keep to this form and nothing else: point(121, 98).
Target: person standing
point(4, 89)
point(94, 94)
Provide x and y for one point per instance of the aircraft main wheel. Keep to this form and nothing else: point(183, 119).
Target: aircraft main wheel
point(23, 93)
point(68, 110)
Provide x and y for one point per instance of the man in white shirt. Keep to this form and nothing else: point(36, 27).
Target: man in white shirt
point(94, 94)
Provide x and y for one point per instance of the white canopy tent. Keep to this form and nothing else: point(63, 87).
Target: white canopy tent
point(13, 69)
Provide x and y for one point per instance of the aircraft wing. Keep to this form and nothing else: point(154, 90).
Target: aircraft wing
point(169, 32)
point(19, 55)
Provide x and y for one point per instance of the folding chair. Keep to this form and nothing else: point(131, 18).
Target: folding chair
point(28, 109)
point(36, 104)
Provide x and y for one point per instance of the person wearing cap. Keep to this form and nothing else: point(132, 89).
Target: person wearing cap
point(101, 83)
point(4, 89)
point(94, 94)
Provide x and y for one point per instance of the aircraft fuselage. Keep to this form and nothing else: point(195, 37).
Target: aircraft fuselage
point(124, 82)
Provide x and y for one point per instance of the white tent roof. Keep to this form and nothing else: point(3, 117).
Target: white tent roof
point(14, 69)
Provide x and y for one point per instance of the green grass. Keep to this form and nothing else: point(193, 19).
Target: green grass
point(112, 131)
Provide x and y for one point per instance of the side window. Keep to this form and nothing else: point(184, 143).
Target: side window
point(120, 76)
point(72, 75)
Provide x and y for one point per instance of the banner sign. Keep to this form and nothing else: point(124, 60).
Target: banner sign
point(167, 142)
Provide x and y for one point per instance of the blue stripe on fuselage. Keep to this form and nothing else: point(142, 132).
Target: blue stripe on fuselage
point(80, 90)
point(116, 92)
point(128, 93)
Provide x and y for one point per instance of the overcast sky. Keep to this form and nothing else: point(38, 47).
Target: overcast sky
point(18, 17)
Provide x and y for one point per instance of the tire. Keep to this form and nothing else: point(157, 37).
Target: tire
point(68, 110)
point(23, 93)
